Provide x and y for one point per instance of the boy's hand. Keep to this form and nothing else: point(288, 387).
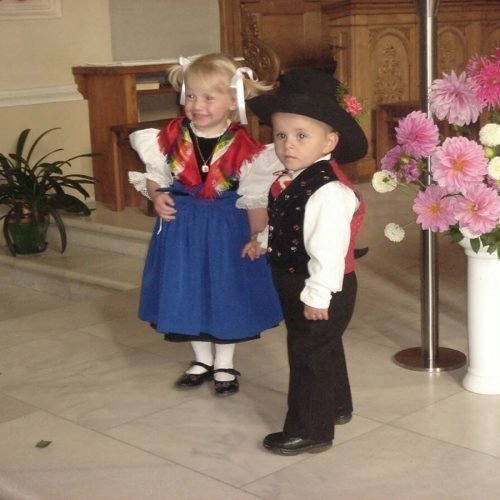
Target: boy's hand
point(313, 314)
point(164, 206)
point(253, 250)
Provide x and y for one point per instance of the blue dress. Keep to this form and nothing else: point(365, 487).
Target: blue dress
point(195, 282)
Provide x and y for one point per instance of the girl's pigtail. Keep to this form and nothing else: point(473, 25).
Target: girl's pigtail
point(176, 77)
point(255, 87)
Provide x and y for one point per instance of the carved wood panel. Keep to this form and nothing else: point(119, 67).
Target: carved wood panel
point(373, 43)
point(391, 67)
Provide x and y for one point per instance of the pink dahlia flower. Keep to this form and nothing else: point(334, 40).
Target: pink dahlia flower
point(457, 163)
point(434, 209)
point(486, 82)
point(411, 171)
point(478, 209)
point(392, 159)
point(453, 98)
point(401, 164)
point(417, 134)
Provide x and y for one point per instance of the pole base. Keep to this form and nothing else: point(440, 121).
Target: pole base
point(414, 359)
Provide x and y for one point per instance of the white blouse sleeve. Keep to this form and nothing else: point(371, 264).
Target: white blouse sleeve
point(256, 178)
point(145, 142)
point(327, 233)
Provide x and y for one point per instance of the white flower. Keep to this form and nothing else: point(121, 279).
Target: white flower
point(384, 181)
point(468, 234)
point(394, 232)
point(494, 168)
point(489, 135)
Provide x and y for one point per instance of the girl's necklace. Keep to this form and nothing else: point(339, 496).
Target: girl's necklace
point(205, 167)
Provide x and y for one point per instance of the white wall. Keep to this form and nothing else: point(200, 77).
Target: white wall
point(164, 28)
point(155, 29)
point(36, 67)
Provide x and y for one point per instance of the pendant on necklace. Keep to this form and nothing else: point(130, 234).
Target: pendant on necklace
point(205, 168)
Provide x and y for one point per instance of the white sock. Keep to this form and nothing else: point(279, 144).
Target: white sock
point(203, 354)
point(224, 359)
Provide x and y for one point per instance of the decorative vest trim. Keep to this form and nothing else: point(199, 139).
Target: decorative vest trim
point(286, 248)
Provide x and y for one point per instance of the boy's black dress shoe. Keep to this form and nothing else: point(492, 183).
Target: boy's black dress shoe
point(279, 442)
point(343, 419)
point(188, 380)
point(225, 388)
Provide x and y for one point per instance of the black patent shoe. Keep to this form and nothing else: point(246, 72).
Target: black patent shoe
point(279, 442)
point(189, 380)
point(225, 388)
point(343, 419)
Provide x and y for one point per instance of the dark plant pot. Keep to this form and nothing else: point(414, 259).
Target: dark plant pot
point(28, 237)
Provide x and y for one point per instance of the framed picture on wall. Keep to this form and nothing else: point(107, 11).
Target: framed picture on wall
point(29, 9)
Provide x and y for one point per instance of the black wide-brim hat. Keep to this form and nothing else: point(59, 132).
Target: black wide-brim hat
point(313, 93)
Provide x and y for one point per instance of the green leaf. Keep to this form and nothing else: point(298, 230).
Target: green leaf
point(37, 140)
point(21, 142)
point(455, 234)
point(43, 444)
point(475, 244)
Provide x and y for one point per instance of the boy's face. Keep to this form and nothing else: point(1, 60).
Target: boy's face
point(300, 141)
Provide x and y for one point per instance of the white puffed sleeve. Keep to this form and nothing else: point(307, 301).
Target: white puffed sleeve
point(256, 178)
point(145, 142)
point(327, 233)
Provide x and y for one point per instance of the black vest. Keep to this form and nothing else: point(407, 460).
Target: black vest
point(286, 248)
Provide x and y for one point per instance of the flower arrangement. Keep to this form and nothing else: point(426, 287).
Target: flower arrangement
point(460, 193)
point(349, 102)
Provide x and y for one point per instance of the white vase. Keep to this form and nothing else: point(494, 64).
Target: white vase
point(483, 324)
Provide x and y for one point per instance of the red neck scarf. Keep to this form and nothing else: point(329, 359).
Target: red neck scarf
point(233, 148)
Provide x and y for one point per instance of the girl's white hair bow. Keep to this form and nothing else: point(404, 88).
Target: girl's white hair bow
point(237, 83)
point(184, 62)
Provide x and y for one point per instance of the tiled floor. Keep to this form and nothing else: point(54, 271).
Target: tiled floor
point(88, 376)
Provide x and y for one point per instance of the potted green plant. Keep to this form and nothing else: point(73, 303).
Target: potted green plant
point(34, 192)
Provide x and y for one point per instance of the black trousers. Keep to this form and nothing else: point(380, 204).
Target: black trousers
point(319, 386)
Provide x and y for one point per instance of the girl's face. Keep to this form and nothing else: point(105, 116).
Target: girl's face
point(207, 106)
point(300, 141)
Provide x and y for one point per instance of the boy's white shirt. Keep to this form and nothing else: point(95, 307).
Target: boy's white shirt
point(327, 234)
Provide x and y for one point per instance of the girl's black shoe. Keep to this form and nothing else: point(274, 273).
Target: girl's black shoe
point(188, 380)
point(228, 387)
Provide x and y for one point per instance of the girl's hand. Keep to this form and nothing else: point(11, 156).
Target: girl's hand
point(253, 250)
point(313, 313)
point(164, 206)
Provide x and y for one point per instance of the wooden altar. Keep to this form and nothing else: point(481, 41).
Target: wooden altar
point(111, 91)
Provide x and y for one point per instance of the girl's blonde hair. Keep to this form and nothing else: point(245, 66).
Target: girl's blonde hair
point(215, 71)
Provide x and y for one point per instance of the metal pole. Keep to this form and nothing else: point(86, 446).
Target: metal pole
point(429, 357)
